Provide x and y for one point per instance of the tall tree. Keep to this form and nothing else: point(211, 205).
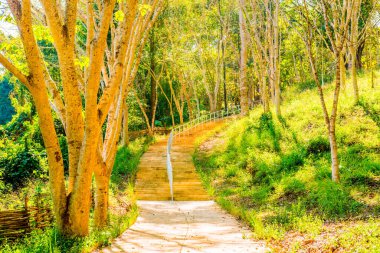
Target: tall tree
point(243, 59)
point(98, 73)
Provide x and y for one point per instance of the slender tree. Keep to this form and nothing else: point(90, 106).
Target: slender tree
point(336, 17)
point(243, 58)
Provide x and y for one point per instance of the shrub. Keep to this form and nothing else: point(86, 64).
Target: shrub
point(267, 126)
point(318, 146)
point(294, 187)
point(331, 199)
point(231, 171)
point(16, 168)
point(260, 195)
point(263, 174)
point(292, 161)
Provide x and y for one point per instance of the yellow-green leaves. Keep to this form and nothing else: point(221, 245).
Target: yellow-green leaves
point(42, 33)
point(119, 16)
point(144, 9)
point(82, 62)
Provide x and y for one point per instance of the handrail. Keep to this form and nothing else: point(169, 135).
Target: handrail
point(211, 116)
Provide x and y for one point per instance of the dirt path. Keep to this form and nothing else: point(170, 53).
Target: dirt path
point(189, 226)
point(193, 225)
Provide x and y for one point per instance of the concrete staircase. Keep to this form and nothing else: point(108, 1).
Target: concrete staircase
point(152, 181)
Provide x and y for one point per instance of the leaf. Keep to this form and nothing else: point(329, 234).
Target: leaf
point(119, 16)
point(144, 9)
point(82, 62)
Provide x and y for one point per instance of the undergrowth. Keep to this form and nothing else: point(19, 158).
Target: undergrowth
point(275, 173)
point(122, 214)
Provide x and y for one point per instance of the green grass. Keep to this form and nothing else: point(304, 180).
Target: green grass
point(121, 195)
point(275, 174)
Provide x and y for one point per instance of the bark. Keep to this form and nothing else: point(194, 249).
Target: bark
point(101, 200)
point(125, 141)
point(354, 75)
point(353, 46)
point(72, 206)
point(223, 55)
point(243, 59)
point(342, 66)
point(333, 144)
point(153, 82)
point(276, 60)
point(55, 161)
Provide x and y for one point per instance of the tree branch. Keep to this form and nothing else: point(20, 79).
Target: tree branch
point(14, 70)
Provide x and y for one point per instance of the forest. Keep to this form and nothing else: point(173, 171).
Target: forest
point(88, 87)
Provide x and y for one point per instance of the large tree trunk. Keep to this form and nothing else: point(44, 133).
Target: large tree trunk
point(55, 161)
point(101, 201)
point(80, 199)
point(243, 60)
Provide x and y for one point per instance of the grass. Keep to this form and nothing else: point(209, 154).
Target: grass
point(275, 173)
point(122, 214)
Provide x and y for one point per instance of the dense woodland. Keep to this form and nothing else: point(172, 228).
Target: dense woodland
point(79, 79)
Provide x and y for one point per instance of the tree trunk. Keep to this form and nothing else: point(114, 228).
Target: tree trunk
point(101, 201)
point(153, 81)
point(243, 60)
point(55, 161)
point(125, 141)
point(333, 144)
point(80, 199)
point(354, 75)
point(342, 71)
point(223, 55)
point(276, 59)
point(334, 157)
point(265, 95)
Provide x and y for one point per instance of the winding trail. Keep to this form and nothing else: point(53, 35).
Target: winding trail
point(193, 222)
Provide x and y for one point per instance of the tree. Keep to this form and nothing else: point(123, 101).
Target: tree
point(97, 71)
point(335, 19)
point(265, 36)
point(243, 59)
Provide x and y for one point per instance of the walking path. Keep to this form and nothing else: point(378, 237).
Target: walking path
point(194, 225)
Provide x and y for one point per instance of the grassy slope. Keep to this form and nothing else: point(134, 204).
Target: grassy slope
point(275, 175)
point(123, 211)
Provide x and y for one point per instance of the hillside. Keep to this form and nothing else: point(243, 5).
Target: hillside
point(276, 175)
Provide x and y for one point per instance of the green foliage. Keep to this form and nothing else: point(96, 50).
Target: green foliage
point(292, 161)
point(275, 173)
point(7, 109)
point(128, 158)
point(332, 199)
point(18, 164)
point(50, 240)
point(318, 145)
